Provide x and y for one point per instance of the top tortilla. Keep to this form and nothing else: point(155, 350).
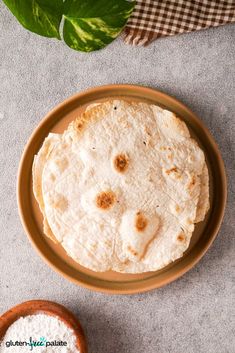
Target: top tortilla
point(122, 188)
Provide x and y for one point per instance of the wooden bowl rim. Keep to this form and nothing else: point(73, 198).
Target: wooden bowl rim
point(34, 307)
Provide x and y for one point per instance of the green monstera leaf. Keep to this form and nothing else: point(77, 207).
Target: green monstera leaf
point(91, 25)
point(88, 24)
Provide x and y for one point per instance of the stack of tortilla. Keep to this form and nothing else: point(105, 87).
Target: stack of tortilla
point(122, 188)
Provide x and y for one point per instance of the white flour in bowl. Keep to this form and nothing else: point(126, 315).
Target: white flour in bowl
point(39, 333)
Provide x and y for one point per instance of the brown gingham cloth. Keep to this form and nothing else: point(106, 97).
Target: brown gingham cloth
point(152, 19)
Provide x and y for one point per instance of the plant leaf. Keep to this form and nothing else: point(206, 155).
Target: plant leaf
point(40, 16)
point(90, 25)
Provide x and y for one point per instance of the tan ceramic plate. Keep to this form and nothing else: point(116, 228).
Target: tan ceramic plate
point(111, 282)
point(34, 307)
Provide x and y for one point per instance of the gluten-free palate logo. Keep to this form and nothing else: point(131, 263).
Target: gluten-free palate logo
point(31, 343)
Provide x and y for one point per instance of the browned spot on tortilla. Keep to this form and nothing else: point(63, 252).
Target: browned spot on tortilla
point(108, 243)
point(178, 176)
point(80, 122)
point(147, 131)
point(105, 200)
point(177, 208)
point(164, 148)
point(181, 237)
point(132, 251)
point(52, 177)
point(125, 123)
point(172, 170)
point(191, 159)
point(62, 163)
point(192, 182)
point(121, 162)
point(60, 203)
point(140, 222)
point(169, 156)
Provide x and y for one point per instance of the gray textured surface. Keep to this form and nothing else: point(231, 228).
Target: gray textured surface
point(194, 314)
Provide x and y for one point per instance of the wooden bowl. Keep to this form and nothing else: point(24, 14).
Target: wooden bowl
point(33, 307)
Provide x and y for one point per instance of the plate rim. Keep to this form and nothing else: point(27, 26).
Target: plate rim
point(200, 253)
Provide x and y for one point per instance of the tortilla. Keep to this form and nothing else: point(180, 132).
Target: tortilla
point(122, 188)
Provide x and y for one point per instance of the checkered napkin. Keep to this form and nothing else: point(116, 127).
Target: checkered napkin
point(152, 19)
